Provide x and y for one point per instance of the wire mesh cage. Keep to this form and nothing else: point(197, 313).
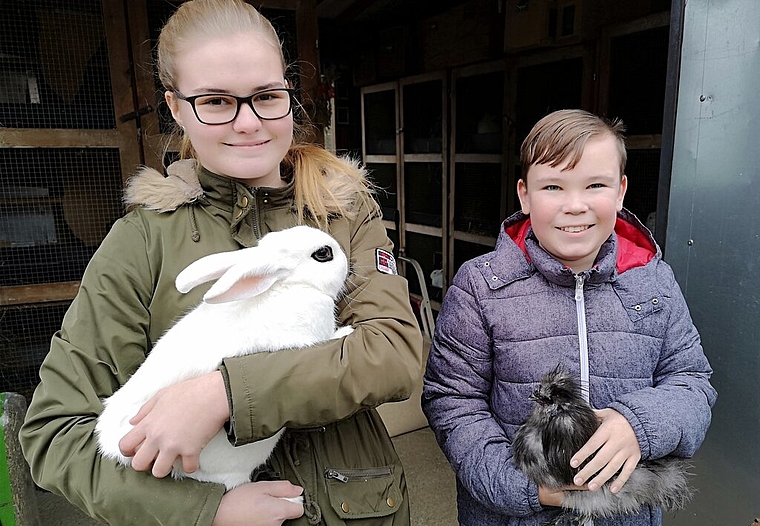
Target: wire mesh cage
point(56, 205)
point(25, 332)
point(428, 252)
point(54, 68)
point(384, 178)
point(423, 184)
point(478, 194)
point(643, 171)
point(57, 62)
point(637, 79)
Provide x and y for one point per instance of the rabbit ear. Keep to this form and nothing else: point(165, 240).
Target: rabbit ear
point(242, 281)
point(209, 268)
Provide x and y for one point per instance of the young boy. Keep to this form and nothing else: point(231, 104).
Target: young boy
point(578, 281)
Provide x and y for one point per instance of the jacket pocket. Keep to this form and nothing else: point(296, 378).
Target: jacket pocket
point(363, 493)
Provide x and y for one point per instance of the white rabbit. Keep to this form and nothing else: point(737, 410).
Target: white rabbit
point(278, 295)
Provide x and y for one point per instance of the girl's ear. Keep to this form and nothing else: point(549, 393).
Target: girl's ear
point(173, 102)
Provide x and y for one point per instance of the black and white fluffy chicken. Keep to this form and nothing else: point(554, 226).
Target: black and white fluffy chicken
point(559, 425)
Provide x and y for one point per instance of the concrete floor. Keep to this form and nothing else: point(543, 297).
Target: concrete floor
point(432, 492)
point(432, 488)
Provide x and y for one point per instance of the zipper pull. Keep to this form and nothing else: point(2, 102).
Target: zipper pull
point(578, 287)
point(333, 474)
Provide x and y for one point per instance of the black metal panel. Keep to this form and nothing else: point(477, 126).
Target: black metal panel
point(714, 243)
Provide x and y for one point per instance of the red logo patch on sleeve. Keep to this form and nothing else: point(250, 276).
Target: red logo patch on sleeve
point(385, 262)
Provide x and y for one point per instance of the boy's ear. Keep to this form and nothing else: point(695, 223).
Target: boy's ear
point(522, 194)
point(621, 194)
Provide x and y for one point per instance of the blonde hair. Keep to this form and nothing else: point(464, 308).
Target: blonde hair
point(321, 198)
point(562, 135)
point(315, 195)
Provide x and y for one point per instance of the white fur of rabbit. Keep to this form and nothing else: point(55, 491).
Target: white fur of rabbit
point(278, 295)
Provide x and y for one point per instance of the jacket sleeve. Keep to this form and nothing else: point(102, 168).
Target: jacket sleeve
point(102, 340)
point(672, 416)
point(456, 401)
point(379, 361)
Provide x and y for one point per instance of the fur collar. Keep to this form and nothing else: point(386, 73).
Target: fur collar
point(150, 189)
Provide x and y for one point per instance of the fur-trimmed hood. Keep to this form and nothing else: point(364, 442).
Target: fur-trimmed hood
point(344, 178)
point(151, 189)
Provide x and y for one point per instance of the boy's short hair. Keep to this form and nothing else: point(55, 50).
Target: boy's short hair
point(562, 135)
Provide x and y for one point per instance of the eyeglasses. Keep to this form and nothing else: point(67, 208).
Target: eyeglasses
point(218, 108)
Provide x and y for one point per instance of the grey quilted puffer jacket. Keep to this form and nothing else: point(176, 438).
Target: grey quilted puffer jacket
point(513, 314)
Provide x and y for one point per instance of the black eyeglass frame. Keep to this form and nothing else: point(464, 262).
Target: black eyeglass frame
point(240, 101)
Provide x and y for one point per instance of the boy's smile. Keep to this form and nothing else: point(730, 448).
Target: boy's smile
point(575, 228)
point(574, 211)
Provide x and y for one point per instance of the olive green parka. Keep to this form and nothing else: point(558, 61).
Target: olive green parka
point(336, 445)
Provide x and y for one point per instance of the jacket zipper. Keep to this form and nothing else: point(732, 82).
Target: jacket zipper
point(580, 311)
point(347, 474)
point(254, 215)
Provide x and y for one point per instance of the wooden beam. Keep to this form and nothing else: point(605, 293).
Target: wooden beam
point(43, 293)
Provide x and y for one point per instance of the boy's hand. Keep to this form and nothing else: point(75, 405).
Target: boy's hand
point(554, 496)
point(613, 446)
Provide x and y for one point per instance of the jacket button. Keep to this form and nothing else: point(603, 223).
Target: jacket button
point(244, 201)
point(487, 264)
point(655, 301)
point(390, 502)
point(344, 507)
point(238, 214)
point(265, 201)
point(637, 308)
point(494, 278)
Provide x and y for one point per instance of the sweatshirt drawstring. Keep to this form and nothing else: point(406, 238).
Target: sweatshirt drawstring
point(196, 234)
point(311, 508)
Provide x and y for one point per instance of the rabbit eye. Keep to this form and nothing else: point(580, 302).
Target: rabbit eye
point(323, 254)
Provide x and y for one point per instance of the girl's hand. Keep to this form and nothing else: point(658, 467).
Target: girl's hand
point(259, 504)
point(177, 422)
point(613, 446)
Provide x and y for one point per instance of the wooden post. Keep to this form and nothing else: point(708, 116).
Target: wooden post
point(307, 30)
point(18, 502)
